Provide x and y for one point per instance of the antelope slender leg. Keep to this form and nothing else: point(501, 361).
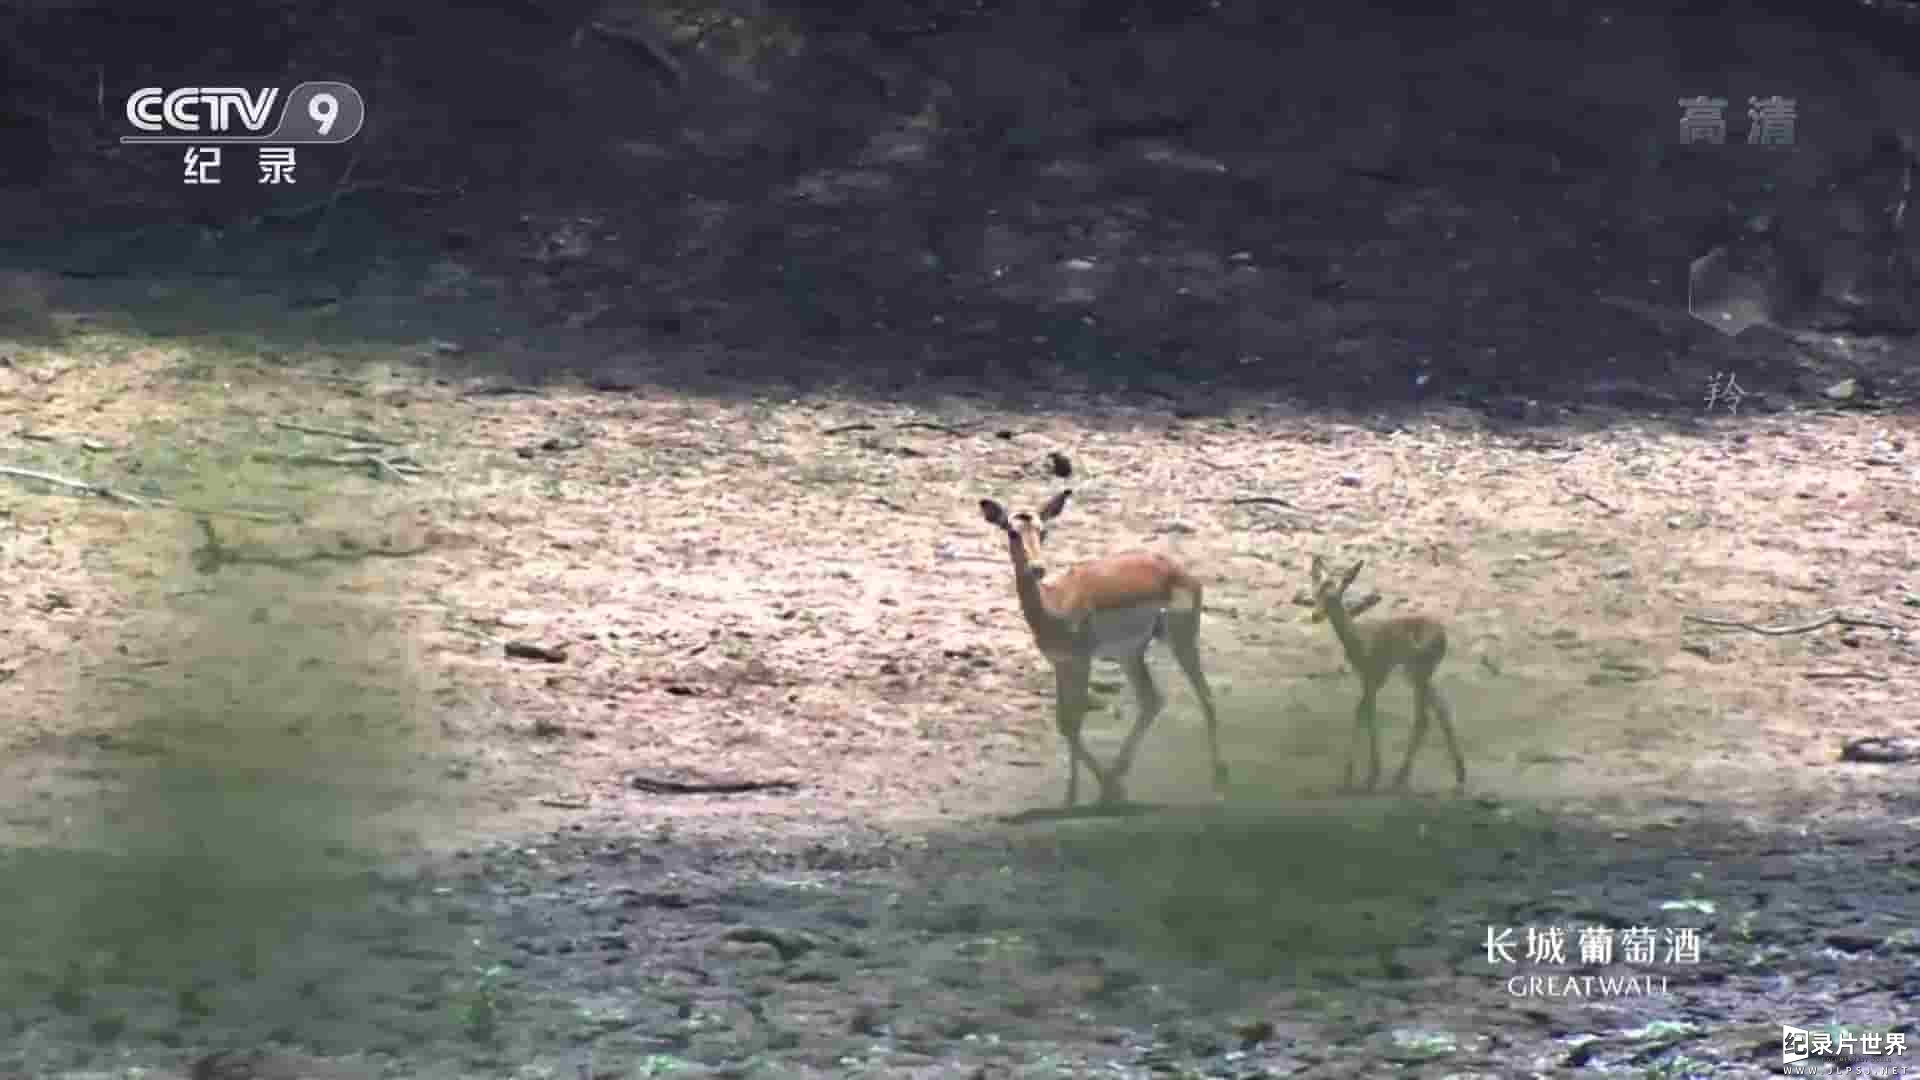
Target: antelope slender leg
point(1421, 705)
point(1183, 634)
point(1353, 743)
point(1070, 711)
point(1370, 719)
point(1151, 702)
point(1445, 713)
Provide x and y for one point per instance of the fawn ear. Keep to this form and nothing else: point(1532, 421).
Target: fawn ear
point(1317, 569)
point(1055, 505)
point(993, 512)
point(1353, 573)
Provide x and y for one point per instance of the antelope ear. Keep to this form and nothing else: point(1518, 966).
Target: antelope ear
point(1363, 604)
point(1055, 505)
point(993, 512)
point(1353, 573)
point(1317, 569)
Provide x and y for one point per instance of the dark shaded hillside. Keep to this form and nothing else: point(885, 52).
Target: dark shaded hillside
point(1493, 206)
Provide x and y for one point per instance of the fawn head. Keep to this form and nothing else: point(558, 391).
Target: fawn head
point(1329, 589)
point(1027, 532)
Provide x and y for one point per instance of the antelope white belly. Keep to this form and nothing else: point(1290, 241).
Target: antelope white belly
point(1120, 633)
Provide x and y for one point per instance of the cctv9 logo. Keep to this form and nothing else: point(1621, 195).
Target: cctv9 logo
point(314, 112)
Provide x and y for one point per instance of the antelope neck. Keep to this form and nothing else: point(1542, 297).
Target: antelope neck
point(1033, 602)
point(1344, 630)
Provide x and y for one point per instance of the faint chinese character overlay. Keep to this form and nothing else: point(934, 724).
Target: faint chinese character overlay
point(1772, 121)
point(1703, 119)
point(1724, 389)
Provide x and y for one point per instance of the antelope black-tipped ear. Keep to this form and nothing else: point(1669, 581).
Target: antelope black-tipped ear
point(993, 512)
point(1353, 573)
point(1055, 505)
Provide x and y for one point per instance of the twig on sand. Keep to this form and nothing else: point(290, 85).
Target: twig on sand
point(1592, 498)
point(148, 502)
point(83, 486)
point(401, 468)
point(1831, 618)
point(351, 436)
point(910, 425)
point(661, 786)
point(1870, 676)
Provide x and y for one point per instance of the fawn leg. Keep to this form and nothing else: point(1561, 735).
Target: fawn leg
point(1421, 703)
point(1445, 712)
point(1370, 713)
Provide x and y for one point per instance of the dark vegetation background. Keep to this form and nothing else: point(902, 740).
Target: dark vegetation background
point(1345, 202)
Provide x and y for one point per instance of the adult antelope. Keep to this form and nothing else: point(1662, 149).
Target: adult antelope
point(1111, 607)
point(1416, 643)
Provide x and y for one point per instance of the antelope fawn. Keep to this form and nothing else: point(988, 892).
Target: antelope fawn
point(1416, 643)
point(1112, 607)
